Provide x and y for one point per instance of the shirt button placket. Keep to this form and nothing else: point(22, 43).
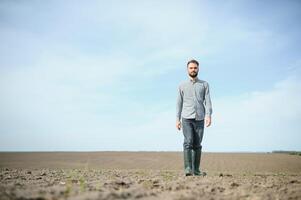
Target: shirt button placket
point(195, 102)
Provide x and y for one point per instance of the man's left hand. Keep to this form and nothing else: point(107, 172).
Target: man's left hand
point(207, 121)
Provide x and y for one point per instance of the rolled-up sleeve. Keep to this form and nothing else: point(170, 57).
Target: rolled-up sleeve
point(207, 102)
point(179, 104)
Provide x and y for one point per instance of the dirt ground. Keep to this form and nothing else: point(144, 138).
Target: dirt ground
point(147, 175)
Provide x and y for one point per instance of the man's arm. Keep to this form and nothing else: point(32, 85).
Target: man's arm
point(208, 106)
point(179, 109)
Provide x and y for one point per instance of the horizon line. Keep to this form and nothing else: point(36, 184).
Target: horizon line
point(137, 151)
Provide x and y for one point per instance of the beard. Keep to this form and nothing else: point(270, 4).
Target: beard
point(193, 74)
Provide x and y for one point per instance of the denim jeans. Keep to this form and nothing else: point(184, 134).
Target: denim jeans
point(193, 131)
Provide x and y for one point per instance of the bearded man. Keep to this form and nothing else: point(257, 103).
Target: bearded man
point(194, 108)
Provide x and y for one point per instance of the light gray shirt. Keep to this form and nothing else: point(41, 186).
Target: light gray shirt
point(193, 100)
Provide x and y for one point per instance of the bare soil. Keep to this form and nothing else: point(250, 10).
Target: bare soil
point(147, 175)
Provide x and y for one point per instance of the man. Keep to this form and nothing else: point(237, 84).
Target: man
point(194, 106)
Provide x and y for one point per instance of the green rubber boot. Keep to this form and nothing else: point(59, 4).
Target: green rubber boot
point(196, 157)
point(188, 162)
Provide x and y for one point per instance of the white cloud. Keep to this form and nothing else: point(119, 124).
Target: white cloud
point(258, 121)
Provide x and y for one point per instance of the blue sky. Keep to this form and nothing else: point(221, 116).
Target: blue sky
point(103, 75)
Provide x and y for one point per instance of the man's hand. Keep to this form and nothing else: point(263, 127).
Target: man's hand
point(207, 121)
point(178, 125)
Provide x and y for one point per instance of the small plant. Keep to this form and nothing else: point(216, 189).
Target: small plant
point(167, 175)
point(82, 184)
point(147, 184)
point(98, 185)
point(68, 189)
point(141, 173)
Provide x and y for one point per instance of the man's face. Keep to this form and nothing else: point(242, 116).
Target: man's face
point(192, 69)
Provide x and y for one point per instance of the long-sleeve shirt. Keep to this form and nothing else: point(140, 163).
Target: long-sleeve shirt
point(193, 100)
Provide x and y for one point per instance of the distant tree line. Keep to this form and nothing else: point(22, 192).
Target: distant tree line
point(288, 152)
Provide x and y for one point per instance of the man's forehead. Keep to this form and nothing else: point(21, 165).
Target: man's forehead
point(192, 65)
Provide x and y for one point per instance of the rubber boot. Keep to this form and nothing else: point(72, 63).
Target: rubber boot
point(196, 157)
point(188, 162)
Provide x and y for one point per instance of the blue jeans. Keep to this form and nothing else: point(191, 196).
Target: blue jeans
point(193, 131)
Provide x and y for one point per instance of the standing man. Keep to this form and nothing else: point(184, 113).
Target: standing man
point(194, 106)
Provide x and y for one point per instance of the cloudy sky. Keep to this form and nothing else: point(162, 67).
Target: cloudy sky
point(103, 75)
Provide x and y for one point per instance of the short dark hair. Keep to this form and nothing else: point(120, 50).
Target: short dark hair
point(193, 61)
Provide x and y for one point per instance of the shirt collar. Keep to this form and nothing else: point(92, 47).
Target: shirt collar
point(193, 81)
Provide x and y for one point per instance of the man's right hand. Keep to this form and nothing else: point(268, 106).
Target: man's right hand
point(178, 125)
